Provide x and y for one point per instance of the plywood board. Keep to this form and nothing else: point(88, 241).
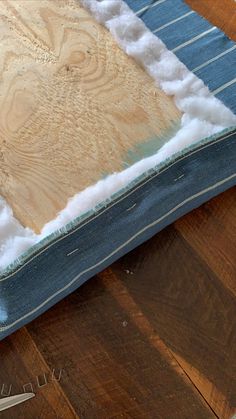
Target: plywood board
point(73, 107)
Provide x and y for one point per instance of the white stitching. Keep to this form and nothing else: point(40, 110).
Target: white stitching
point(116, 250)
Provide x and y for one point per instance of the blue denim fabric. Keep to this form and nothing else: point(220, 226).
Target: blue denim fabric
point(155, 201)
point(215, 74)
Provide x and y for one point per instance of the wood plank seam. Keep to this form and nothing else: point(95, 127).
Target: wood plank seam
point(122, 296)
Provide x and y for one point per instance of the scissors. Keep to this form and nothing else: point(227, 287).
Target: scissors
point(11, 401)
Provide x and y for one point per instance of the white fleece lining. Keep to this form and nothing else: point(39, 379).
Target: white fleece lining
point(203, 116)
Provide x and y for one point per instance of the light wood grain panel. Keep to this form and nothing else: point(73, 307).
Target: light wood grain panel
point(72, 106)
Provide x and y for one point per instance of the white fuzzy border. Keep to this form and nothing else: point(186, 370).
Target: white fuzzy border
point(203, 116)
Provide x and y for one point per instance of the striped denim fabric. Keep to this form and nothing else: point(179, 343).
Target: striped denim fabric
point(63, 264)
point(202, 47)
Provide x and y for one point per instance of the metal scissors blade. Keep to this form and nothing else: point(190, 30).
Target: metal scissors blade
point(11, 401)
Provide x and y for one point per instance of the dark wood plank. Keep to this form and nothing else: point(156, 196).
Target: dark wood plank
point(23, 368)
point(192, 311)
point(221, 13)
point(211, 232)
point(115, 364)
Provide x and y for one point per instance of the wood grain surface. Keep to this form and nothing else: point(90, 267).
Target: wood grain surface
point(73, 106)
point(153, 336)
point(221, 13)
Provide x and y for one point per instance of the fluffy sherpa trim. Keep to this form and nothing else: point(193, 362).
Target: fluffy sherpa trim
point(203, 116)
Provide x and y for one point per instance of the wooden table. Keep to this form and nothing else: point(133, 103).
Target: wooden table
point(153, 336)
